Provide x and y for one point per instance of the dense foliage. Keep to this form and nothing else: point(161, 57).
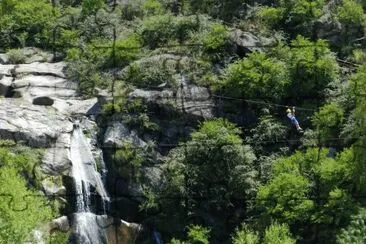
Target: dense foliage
point(19, 210)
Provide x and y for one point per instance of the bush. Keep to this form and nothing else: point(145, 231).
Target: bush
point(16, 225)
point(151, 73)
point(127, 50)
point(216, 43)
point(257, 76)
point(312, 68)
point(161, 30)
point(16, 56)
point(351, 13)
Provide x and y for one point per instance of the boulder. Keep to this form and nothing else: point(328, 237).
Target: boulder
point(4, 58)
point(90, 228)
point(245, 42)
point(50, 188)
point(45, 101)
point(194, 100)
point(117, 133)
point(61, 224)
point(327, 26)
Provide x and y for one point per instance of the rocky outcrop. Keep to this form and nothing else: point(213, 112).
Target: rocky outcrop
point(109, 230)
point(7, 70)
point(244, 42)
point(51, 189)
point(52, 69)
point(4, 59)
point(327, 26)
point(188, 98)
point(32, 86)
point(6, 85)
point(117, 134)
point(59, 224)
point(35, 125)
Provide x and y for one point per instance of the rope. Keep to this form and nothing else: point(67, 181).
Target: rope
point(259, 102)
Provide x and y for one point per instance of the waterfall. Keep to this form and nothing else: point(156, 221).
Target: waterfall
point(85, 175)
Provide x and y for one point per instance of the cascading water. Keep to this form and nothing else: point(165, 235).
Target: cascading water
point(85, 174)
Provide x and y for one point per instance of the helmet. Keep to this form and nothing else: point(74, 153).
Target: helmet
point(288, 110)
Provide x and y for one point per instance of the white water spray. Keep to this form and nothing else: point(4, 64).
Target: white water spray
point(85, 174)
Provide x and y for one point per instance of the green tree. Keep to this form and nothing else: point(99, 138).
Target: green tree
point(26, 22)
point(351, 14)
point(22, 209)
point(294, 16)
point(196, 234)
point(285, 198)
point(312, 68)
point(210, 173)
point(355, 232)
point(245, 236)
point(92, 6)
point(299, 181)
point(278, 234)
point(257, 76)
point(328, 122)
point(216, 43)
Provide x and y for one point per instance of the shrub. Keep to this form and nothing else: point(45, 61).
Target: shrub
point(16, 56)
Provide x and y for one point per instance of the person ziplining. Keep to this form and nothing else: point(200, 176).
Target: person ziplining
point(291, 115)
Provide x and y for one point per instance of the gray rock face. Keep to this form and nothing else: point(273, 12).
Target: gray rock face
point(4, 59)
point(327, 27)
point(194, 100)
point(32, 86)
point(51, 188)
point(61, 223)
point(188, 98)
point(56, 159)
point(108, 231)
point(117, 133)
point(5, 85)
point(6, 69)
point(36, 125)
point(245, 41)
point(53, 69)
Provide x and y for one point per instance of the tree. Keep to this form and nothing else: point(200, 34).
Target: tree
point(355, 232)
point(21, 209)
point(244, 235)
point(91, 6)
point(312, 67)
point(216, 43)
point(356, 125)
point(294, 16)
point(213, 173)
point(328, 122)
point(351, 14)
point(26, 22)
point(257, 76)
point(196, 234)
point(285, 198)
point(278, 234)
point(309, 189)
